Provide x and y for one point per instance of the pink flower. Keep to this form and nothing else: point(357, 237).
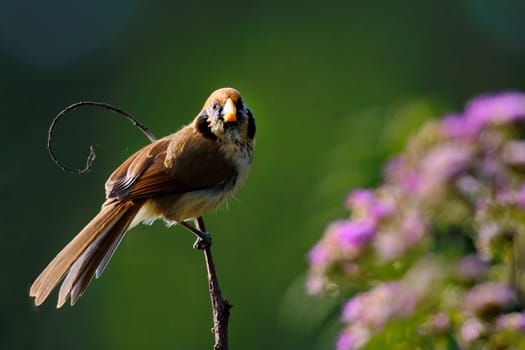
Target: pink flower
point(471, 268)
point(471, 330)
point(399, 173)
point(353, 234)
point(440, 164)
point(360, 198)
point(512, 321)
point(319, 256)
point(377, 306)
point(497, 108)
point(366, 205)
point(353, 337)
point(345, 341)
point(489, 297)
point(520, 200)
point(353, 308)
point(458, 126)
point(440, 323)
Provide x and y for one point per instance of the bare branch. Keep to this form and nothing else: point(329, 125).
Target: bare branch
point(221, 307)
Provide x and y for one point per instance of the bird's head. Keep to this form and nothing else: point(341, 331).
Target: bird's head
point(224, 116)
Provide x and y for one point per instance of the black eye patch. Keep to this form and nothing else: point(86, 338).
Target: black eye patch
point(251, 124)
point(204, 128)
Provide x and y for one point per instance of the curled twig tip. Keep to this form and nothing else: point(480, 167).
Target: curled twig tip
point(92, 155)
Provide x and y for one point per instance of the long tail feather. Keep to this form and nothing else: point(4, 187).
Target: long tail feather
point(102, 266)
point(109, 217)
point(78, 279)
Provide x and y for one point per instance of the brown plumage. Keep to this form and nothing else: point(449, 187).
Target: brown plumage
point(179, 177)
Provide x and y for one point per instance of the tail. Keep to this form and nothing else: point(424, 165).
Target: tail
point(87, 254)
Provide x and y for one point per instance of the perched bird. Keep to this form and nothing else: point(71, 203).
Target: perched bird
point(177, 178)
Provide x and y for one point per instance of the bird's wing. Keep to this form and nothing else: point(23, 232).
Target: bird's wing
point(182, 162)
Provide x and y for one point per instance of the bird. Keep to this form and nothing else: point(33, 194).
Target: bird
point(177, 178)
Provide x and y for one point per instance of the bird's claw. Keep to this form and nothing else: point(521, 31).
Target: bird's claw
point(203, 242)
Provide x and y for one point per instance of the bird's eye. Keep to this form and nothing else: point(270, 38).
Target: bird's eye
point(215, 105)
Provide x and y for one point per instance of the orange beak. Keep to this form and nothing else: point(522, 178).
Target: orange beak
point(229, 111)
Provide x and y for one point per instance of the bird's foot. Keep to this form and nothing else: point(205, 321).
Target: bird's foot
point(203, 238)
point(203, 241)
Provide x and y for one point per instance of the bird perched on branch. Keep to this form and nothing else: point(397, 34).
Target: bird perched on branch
point(177, 178)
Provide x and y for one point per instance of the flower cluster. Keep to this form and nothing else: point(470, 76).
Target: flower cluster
point(436, 246)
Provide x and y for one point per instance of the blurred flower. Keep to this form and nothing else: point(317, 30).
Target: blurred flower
point(487, 233)
point(345, 341)
point(360, 198)
point(520, 200)
point(354, 308)
point(513, 153)
point(491, 166)
point(471, 268)
point(389, 246)
point(412, 228)
point(400, 236)
point(497, 108)
point(432, 241)
point(457, 126)
point(471, 330)
point(512, 321)
point(489, 297)
point(319, 256)
point(353, 337)
point(398, 172)
point(440, 164)
point(351, 235)
point(440, 323)
point(469, 186)
point(436, 324)
point(343, 241)
point(366, 205)
point(316, 283)
point(374, 308)
point(393, 300)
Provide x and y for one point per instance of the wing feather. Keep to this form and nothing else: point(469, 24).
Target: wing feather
point(182, 162)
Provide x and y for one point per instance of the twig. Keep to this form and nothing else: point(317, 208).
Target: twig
point(92, 155)
point(221, 307)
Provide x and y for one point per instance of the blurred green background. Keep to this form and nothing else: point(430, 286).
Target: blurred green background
point(335, 86)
